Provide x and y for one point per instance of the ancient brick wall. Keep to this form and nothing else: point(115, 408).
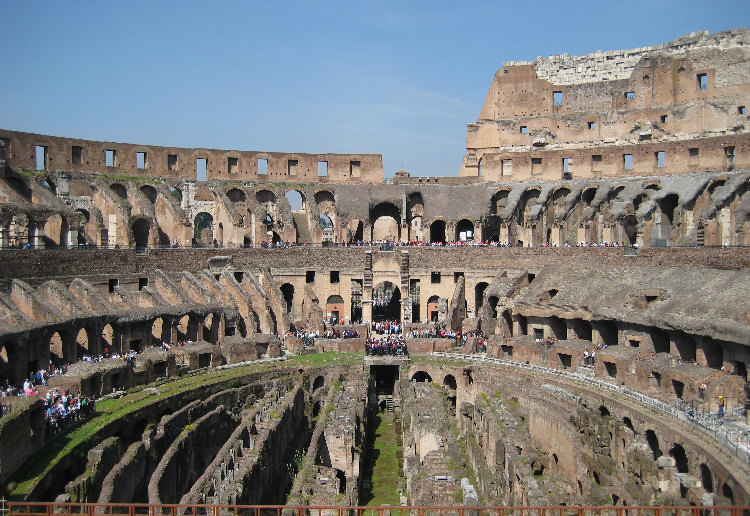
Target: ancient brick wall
point(128, 159)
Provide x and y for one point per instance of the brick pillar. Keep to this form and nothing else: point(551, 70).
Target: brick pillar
point(367, 288)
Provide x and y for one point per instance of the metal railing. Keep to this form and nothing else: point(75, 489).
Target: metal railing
point(49, 509)
point(734, 440)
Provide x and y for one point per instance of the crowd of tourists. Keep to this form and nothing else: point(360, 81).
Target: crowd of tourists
point(389, 345)
point(334, 333)
point(63, 411)
point(386, 327)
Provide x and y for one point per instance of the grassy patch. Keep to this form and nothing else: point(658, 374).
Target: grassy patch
point(40, 464)
point(382, 462)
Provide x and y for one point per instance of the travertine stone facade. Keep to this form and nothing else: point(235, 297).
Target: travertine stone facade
point(673, 108)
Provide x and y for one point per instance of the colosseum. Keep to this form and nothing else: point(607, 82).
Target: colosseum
point(564, 325)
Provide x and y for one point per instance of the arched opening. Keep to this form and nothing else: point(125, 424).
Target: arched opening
point(265, 197)
point(56, 349)
point(667, 205)
point(433, 310)
point(355, 231)
point(176, 194)
point(236, 195)
point(464, 231)
point(630, 227)
point(108, 338)
point(141, 229)
point(324, 196)
point(82, 343)
point(318, 383)
point(150, 193)
point(420, 377)
point(653, 443)
point(603, 411)
point(386, 222)
point(707, 480)
point(120, 190)
point(493, 301)
point(450, 381)
point(628, 423)
point(499, 202)
point(296, 200)
point(727, 492)
point(158, 333)
point(335, 308)
point(203, 229)
point(588, 195)
point(680, 458)
point(325, 222)
point(182, 328)
point(437, 231)
point(287, 290)
point(479, 295)
point(386, 302)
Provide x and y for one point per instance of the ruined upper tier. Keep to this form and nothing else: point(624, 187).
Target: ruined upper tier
point(672, 108)
point(42, 152)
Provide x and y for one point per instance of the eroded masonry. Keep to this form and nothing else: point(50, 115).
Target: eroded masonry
point(601, 209)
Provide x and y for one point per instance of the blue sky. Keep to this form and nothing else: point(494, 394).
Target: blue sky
point(399, 78)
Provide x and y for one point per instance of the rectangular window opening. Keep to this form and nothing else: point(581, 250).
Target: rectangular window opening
point(634, 343)
point(591, 125)
point(140, 159)
point(113, 283)
point(322, 169)
point(664, 119)
point(232, 165)
point(741, 110)
point(567, 168)
point(334, 276)
point(310, 277)
point(702, 81)
point(291, 167)
point(627, 161)
point(355, 169)
point(262, 166)
point(629, 94)
point(41, 157)
point(506, 167)
point(172, 161)
point(201, 166)
point(524, 129)
point(661, 159)
point(536, 166)
point(693, 156)
point(239, 276)
point(729, 153)
point(457, 276)
point(557, 98)
point(76, 155)
point(596, 163)
point(142, 283)
point(435, 277)
point(109, 158)
point(538, 333)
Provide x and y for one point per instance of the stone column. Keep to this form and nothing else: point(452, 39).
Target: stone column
point(4, 234)
point(367, 288)
point(38, 235)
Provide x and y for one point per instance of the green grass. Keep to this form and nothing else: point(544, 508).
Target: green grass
point(382, 461)
point(25, 479)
